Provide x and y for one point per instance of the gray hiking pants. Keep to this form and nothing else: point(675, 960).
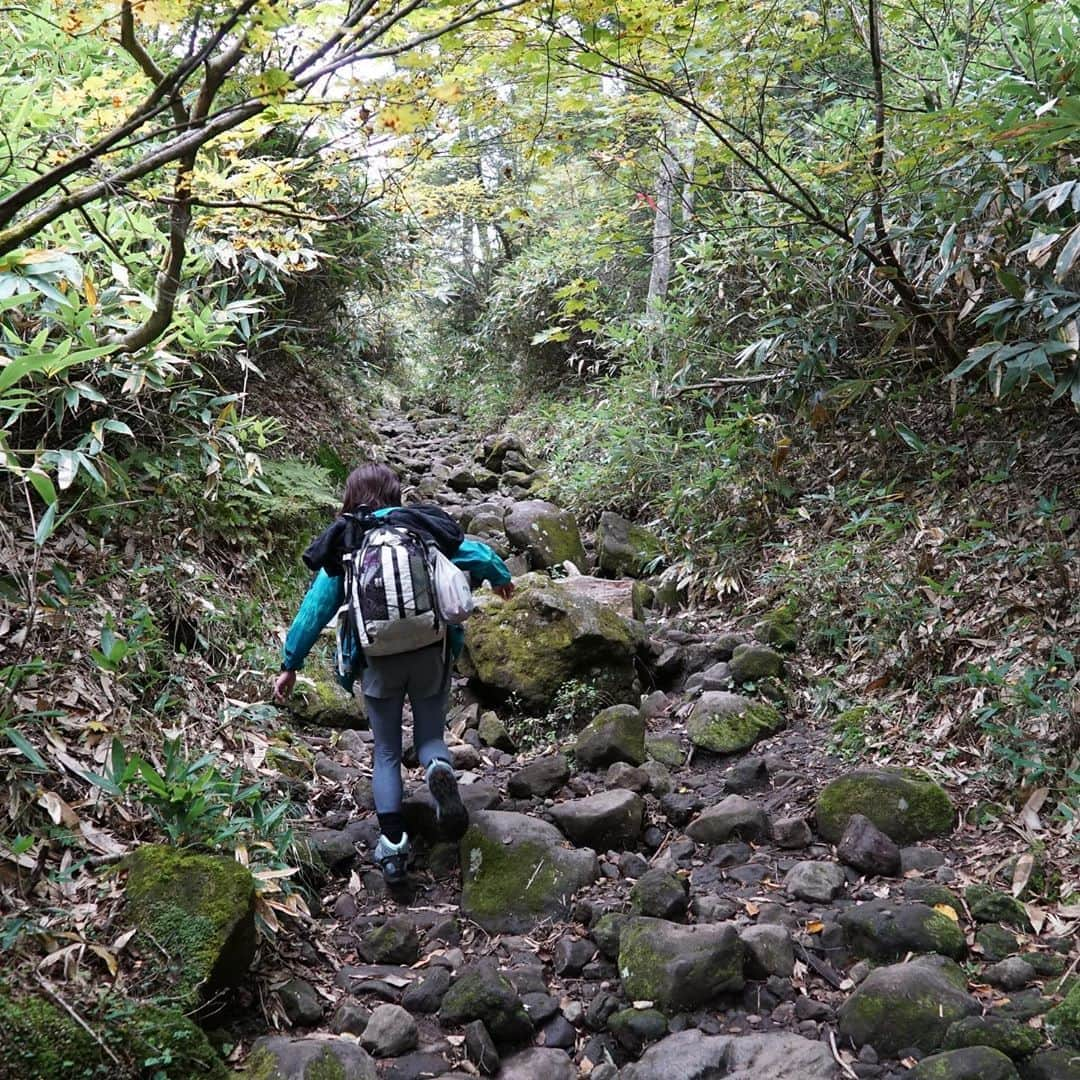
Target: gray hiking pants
point(424, 677)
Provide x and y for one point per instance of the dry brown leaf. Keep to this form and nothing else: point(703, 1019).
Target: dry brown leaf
point(1022, 872)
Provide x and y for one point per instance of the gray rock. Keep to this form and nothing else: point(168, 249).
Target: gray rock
point(615, 734)
point(693, 1055)
point(302, 1005)
point(660, 894)
point(717, 677)
point(666, 750)
point(907, 1005)
point(426, 996)
point(517, 872)
point(390, 1032)
point(549, 536)
point(971, 1063)
point(540, 777)
point(624, 775)
point(1012, 974)
point(865, 847)
point(492, 732)
point(611, 819)
point(769, 951)
point(680, 806)
point(750, 773)
point(1053, 1065)
point(541, 1007)
point(419, 807)
point(558, 1033)
point(724, 723)
point(349, 1019)
point(920, 858)
point(678, 967)
point(606, 933)
point(623, 548)
point(731, 818)
point(279, 1058)
point(752, 663)
point(660, 782)
point(791, 833)
point(817, 882)
point(395, 942)
point(571, 955)
point(537, 1062)
point(480, 1048)
point(888, 929)
point(481, 993)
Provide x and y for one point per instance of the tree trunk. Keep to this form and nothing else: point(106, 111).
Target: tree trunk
point(660, 277)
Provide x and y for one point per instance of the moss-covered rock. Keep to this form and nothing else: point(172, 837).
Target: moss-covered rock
point(548, 536)
point(634, 1028)
point(545, 637)
point(886, 930)
point(606, 933)
point(623, 549)
point(481, 993)
point(907, 1005)
point(971, 1063)
point(41, 1041)
point(726, 723)
point(995, 942)
point(200, 909)
point(319, 1057)
point(320, 702)
point(615, 734)
point(988, 905)
point(905, 805)
point(752, 663)
point(1011, 1037)
point(679, 967)
point(1063, 1021)
point(666, 750)
point(779, 627)
point(517, 872)
point(1053, 1065)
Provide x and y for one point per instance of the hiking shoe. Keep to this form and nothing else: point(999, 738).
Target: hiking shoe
point(450, 811)
point(393, 859)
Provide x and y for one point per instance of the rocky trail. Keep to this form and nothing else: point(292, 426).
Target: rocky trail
point(686, 887)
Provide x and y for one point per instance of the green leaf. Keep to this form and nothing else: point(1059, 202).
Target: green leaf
point(27, 751)
point(911, 438)
point(43, 485)
point(46, 525)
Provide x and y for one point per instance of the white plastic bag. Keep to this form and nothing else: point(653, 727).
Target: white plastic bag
point(452, 591)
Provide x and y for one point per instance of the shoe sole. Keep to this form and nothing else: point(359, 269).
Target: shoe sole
point(453, 817)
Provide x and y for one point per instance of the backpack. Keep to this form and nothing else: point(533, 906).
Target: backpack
point(400, 594)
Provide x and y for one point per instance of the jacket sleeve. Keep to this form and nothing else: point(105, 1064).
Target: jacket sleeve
point(324, 596)
point(481, 563)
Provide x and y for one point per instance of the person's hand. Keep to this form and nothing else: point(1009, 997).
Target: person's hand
point(505, 591)
point(283, 685)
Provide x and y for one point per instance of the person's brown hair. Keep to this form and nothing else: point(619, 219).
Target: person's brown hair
point(372, 485)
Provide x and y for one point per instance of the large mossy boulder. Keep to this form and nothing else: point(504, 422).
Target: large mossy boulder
point(319, 1057)
point(907, 1005)
point(614, 734)
point(320, 702)
point(517, 871)
point(41, 1041)
point(724, 723)
point(200, 910)
point(546, 637)
point(679, 967)
point(753, 663)
point(905, 805)
point(548, 536)
point(624, 549)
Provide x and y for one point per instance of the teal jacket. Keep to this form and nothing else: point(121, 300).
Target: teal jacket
point(326, 594)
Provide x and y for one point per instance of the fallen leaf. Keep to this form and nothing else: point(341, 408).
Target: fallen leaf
point(1022, 872)
point(815, 926)
point(947, 910)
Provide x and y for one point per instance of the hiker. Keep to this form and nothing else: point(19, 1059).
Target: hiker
point(395, 662)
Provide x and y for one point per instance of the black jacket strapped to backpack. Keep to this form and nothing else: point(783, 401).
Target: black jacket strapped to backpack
point(347, 534)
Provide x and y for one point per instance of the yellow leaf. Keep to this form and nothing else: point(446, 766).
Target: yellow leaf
point(89, 291)
point(815, 926)
point(948, 911)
